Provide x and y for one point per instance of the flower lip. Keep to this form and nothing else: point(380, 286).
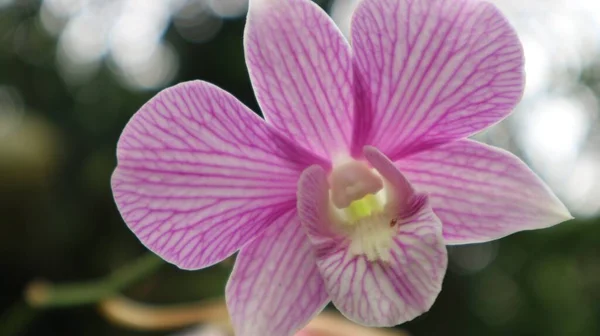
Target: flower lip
point(366, 205)
point(374, 272)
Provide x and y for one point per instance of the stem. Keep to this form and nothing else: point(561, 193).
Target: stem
point(45, 295)
point(140, 316)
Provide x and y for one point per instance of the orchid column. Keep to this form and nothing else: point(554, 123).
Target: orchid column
point(360, 173)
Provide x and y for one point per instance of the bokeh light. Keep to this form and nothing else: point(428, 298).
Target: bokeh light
point(4, 3)
point(196, 22)
point(228, 8)
point(129, 35)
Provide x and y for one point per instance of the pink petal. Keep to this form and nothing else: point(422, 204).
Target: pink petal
point(305, 332)
point(387, 294)
point(200, 174)
point(301, 70)
point(375, 293)
point(482, 193)
point(432, 71)
point(275, 287)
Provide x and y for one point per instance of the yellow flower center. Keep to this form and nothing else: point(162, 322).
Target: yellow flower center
point(358, 197)
point(362, 208)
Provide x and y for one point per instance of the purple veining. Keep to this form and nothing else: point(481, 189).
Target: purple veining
point(200, 176)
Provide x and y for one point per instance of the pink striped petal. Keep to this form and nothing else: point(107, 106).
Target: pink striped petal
point(432, 71)
point(275, 287)
point(482, 193)
point(301, 69)
point(376, 293)
point(387, 294)
point(200, 174)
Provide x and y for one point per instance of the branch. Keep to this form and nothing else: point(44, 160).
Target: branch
point(41, 294)
point(131, 314)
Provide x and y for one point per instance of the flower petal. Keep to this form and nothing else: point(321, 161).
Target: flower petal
point(387, 294)
point(432, 71)
point(199, 174)
point(301, 69)
point(275, 287)
point(375, 293)
point(482, 193)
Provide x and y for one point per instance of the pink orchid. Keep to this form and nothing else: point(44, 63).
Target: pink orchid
point(360, 173)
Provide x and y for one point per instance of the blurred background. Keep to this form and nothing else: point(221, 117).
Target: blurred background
point(72, 72)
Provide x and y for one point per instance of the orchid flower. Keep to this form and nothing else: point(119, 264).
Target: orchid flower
point(359, 175)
